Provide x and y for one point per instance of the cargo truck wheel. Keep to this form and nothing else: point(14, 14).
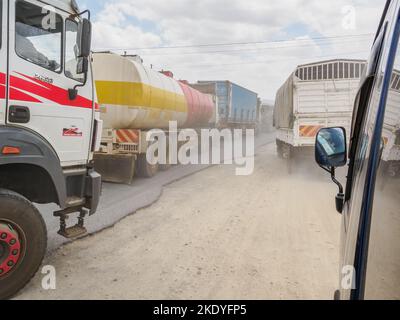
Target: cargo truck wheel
point(289, 165)
point(144, 168)
point(279, 149)
point(287, 151)
point(392, 170)
point(23, 242)
point(167, 166)
point(164, 167)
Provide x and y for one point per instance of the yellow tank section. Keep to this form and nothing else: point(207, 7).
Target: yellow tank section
point(132, 96)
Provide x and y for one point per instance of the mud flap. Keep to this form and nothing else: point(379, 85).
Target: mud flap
point(115, 168)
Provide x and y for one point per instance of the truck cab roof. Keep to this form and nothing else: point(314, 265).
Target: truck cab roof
point(69, 6)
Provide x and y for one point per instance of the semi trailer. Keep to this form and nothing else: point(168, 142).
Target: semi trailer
point(49, 130)
point(133, 100)
point(315, 96)
point(236, 106)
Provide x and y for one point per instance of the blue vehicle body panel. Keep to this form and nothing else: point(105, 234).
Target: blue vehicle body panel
point(223, 94)
point(244, 105)
point(236, 105)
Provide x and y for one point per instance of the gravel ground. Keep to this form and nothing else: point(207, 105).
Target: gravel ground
point(213, 235)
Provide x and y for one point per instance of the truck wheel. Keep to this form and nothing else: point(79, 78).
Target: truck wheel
point(289, 165)
point(279, 149)
point(144, 168)
point(167, 166)
point(23, 242)
point(287, 151)
point(392, 170)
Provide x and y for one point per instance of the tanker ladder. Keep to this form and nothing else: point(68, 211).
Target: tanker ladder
point(76, 231)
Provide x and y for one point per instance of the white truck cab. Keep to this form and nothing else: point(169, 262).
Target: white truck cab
point(49, 129)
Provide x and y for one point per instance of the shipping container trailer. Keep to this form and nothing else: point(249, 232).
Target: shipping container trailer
point(315, 96)
point(237, 107)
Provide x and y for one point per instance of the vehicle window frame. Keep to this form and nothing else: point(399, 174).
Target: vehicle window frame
point(361, 109)
point(377, 235)
point(383, 18)
point(62, 40)
point(364, 224)
point(65, 49)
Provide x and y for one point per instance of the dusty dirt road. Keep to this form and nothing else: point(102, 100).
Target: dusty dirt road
point(213, 235)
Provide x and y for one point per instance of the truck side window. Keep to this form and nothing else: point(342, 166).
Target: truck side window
point(38, 36)
point(383, 272)
point(72, 50)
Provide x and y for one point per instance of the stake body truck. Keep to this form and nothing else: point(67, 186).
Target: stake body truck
point(49, 130)
point(315, 96)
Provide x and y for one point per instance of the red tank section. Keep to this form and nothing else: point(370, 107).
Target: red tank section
point(167, 73)
point(200, 107)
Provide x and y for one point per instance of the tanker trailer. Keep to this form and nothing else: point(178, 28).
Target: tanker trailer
point(133, 100)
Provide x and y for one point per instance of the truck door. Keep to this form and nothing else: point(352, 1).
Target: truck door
point(3, 59)
point(42, 67)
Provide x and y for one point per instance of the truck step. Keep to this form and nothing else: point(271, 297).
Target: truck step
point(73, 232)
point(75, 202)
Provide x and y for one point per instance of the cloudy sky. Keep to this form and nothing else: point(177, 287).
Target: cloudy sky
point(255, 43)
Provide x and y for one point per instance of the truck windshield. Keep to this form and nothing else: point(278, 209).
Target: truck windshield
point(38, 35)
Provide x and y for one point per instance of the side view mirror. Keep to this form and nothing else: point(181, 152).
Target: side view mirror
point(82, 66)
point(85, 38)
point(76, 51)
point(83, 54)
point(331, 153)
point(331, 148)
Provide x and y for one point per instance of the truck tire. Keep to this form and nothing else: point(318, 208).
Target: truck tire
point(392, 169)
point(144, 168)
point(23, 242)
point(167, 166)
point(287, 151)
point(279, 149)
point(164, 167)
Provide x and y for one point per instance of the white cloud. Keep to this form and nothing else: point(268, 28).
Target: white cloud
point(150, 23)
point(112, 29)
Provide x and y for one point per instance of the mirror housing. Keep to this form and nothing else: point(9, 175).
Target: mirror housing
point(331, 153)
point(83, 52)
point(82, 66)
point(331, 148)
point(85, 38)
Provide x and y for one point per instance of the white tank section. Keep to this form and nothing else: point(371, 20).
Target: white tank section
point(132, 96)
